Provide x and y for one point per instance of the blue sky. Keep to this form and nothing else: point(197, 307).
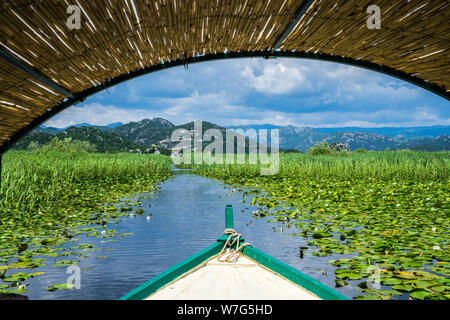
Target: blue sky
point(257, 91)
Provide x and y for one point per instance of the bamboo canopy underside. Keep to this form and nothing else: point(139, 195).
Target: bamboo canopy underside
point(46, 66)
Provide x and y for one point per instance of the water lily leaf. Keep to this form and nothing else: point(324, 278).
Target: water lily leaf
point(48, 242)
point(439, 288)
point(340, 283)
point(390, 281)
point(16, 277)
point(348, 276)
point(320, 235)
point(126, 209)
point(404, 275)
point(64, 286)
point(423, 284)
point(369, 297)
point(65, 263)
point(20, 290)
point(442, 258)
point(22, 247)
point(420, 294)
point(403, 287)
point(425, 275)
point(29, 264)
point(83, 246)
point(390, 292)
point(21, 276)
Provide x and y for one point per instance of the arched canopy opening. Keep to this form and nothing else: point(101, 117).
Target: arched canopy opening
point(46, 66)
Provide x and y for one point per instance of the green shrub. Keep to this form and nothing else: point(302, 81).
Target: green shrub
point(320, 148)
point(361, 150)
point(33, 146)
point(66, 145)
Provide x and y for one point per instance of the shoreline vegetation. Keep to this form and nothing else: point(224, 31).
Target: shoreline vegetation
point(49, 194)
point(387, 211)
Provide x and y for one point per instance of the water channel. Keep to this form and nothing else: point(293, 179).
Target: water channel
point(185, 215)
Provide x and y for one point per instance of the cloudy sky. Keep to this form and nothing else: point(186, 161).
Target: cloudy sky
point(258, 91)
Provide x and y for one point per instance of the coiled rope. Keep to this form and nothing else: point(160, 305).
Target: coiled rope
point(233, 238)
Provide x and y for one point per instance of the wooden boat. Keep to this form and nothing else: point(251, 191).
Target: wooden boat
point(232, 269)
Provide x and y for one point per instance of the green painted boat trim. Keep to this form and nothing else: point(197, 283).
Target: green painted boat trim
point(156, 283)
point(229, 221)
point(310, 284)
point(319, 289)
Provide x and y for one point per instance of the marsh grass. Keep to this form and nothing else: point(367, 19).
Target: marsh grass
point(49, 183)
point(56, 192)
point(406, 165)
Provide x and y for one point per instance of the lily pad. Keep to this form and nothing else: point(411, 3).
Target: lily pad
point(403, 287)
point(419, 294)
point(65, 263)
point(57, 287)
point(369, 297)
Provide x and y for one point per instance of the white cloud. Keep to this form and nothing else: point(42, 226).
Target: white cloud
point(98, 114)
point(256, 91)
point(222, 112)
point(276, 79)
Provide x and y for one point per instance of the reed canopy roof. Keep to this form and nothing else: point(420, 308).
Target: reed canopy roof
point(46, 66)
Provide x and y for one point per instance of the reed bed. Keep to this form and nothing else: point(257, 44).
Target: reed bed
point(36, 183)
point(404, 165)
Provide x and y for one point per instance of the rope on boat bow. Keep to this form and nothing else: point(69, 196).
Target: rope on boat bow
point(233, 238)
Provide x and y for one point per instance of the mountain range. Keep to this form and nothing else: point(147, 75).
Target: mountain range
point(399, 132)
point(148, 135)
point(433, 138)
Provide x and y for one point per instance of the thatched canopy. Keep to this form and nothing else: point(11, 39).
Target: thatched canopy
point(46, 67)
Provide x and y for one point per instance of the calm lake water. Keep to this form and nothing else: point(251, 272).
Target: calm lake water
point(187, 214)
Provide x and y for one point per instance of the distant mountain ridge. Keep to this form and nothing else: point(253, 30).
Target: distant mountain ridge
point(401, 132)
point(147, 133)
point(102, 140)
point(417, 138)
point(108, 127)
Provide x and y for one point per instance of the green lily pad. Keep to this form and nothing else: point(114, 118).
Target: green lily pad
point(369, 297)
point(65, 263)
point(57, 287)
point(419, 294)
point(349, 276)
point(29, 264)
point(16, 277)
point(21, 276)
point(20, 290)
point(340, 283)
point(439, 288)
point(403, 287)
point(320, 235)
point(390, 281)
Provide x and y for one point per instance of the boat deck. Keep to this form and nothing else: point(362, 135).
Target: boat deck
point(244, 279)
